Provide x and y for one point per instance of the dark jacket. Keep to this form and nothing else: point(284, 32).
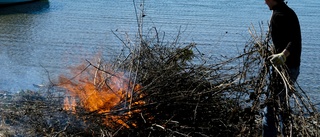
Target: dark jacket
point(286, 34)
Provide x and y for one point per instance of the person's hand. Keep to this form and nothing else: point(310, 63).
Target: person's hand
point(278, 59)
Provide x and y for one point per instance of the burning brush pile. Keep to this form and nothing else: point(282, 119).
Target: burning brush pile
point(157, 88)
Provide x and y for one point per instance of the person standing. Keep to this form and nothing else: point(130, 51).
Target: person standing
point(286, 37)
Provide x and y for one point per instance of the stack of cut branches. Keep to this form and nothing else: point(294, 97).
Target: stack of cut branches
point(186, 96)
point(157, 88)
point(183, 95)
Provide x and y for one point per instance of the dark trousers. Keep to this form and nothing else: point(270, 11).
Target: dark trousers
point(270, 112)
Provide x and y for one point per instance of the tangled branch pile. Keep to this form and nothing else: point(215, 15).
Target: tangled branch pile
point(161, 89)
point(185, 96)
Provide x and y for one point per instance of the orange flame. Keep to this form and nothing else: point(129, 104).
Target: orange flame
point(101, 91)
point(70, 104)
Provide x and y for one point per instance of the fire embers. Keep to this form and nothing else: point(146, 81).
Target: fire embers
point(104, 92)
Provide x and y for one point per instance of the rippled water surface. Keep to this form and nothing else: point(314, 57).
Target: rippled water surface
point(48, 36)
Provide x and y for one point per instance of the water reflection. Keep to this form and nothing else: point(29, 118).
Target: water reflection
point(19, 25)
point(29, 8)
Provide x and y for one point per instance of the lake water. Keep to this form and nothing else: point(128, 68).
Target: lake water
point(49, 36)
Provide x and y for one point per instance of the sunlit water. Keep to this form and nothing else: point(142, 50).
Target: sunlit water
point(42, 39)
